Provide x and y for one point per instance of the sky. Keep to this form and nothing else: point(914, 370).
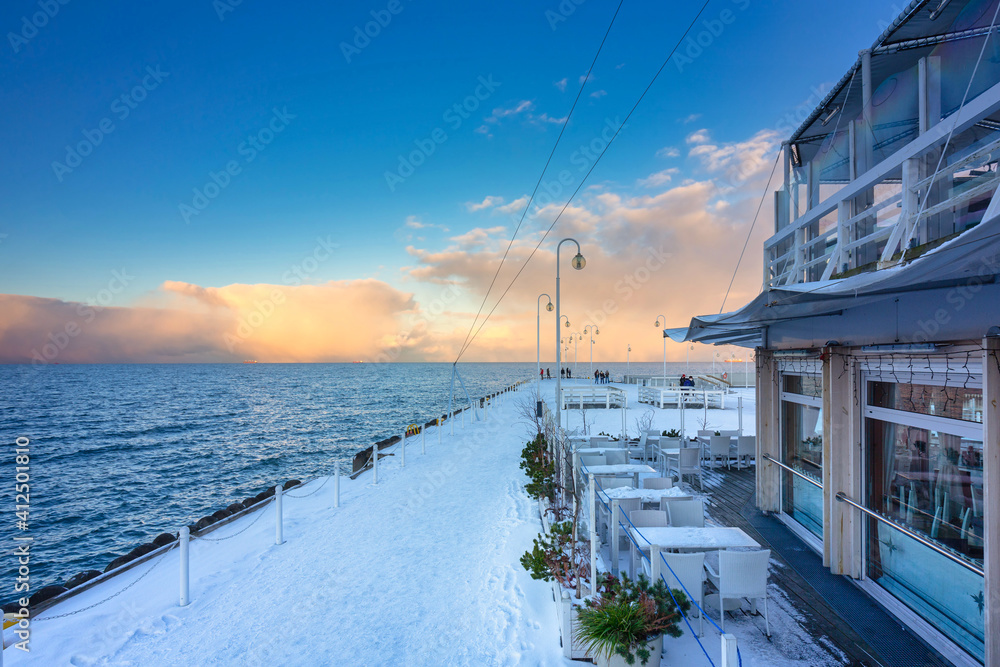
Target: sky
point(231, 180)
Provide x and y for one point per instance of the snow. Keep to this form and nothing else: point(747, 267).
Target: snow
point(647, 495)
point(421, 569)
point(709, 537)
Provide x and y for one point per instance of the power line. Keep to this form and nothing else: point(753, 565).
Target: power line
point(527, 206)
point(587, 175)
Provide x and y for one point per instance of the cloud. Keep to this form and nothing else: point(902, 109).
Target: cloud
point(658, 179)
point(597, 94)
point(489, 202)
point(515, 206)
point(561, 84)
point(333, 321)
point(619, 66)
point(501, 112)
point(668, 151)
point(698, 137)
point(690, 119)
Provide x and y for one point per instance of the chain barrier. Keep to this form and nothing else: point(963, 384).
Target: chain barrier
point(242, 530)
point(325, 480)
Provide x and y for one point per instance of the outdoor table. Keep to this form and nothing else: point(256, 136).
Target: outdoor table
point(709, 538)
point(647, 495)
point(598, 450)
point(621, 469)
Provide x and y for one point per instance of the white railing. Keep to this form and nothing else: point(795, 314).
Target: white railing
point(803, 251)
point(595, 397)
point(678, 396)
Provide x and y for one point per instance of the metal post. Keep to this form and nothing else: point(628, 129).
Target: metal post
point(375, 461)
point(729, 655)
point(439, 430)
point(558, 341)
point(463, 418)
point(336, 486)
point(423, 439)
point(593, 536)
point(185, 537)
point(403, 449)
point(451, 422)
point(278, 539)
point(739, 405)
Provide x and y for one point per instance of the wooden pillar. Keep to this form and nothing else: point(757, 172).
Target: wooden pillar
point(991, 494)
point(842, 464)
point(768, 430)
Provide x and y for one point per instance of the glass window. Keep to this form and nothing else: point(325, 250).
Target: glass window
point(802, 444)
point(950, 402)
point(806, 385)
point(932, 482)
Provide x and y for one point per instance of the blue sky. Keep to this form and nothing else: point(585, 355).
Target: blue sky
point(345, 124)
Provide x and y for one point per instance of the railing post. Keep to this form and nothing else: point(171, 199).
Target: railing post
point(423, 439)
point(375, 462)
point(278, 539)
point(336, 487)
point(463, 418)
point(439, 430)
point(184, 539)
point(729, 656)
point(402, 448)
point(593, 535)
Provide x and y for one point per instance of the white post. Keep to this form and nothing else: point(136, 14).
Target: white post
point(402, 448)
point(277, 515)
point(375, 462)
point(739, 405)
point(336, 487)
point(593, 535)
point(614, 536)
point(729, 655)
point(451, 421)
point(423, 439)
point(463, 418)
point(439, 430)
point(185, 537)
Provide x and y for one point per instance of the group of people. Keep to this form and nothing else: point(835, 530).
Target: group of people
point(686, 381)
point(602, 377)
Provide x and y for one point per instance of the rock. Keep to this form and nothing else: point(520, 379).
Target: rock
point(234, 508)
point(11, 608)
point(141, 550)
point(163, 539)
point(81, 578)
point(249, 502)
point(118, 562)
point(192, 527)
point(290, 483)
point(46, 593)
point(219, 516)
point(203, 522)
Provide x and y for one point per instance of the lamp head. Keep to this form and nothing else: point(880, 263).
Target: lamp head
point(596, 330)
point(579, 262)
point(656, 323)
point(567, 324)
point(549, 307)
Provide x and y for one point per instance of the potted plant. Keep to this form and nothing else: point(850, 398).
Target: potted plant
point(672, 433)
point(628, 619)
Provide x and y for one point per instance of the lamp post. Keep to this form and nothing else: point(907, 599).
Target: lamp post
point(578, 263)
point(538, 340)
point(628, 353)
point(593, 330)
point(576, 337)
point(687, 358)
point(657, 325)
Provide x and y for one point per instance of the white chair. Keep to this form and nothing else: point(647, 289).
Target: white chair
point(666, 444)
point(625, 505)
point(718, 448)
point(689, 463)
point(599, 440)
point(643, 519)
point(735, 433)
point(742, 574)
point(615, 457)
point(652, 444)
point(591, 460)
point(746, 447)
point(688, 512)
point(638, 449)
point(704, 437)
point(687, 570)
point(658, 483)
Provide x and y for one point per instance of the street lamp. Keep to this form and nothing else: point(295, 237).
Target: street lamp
point(657, 325)
point(576, 336)
point(687, 360)
point(593, 330)
point(538, 340)
point(628, 353)
point(578, 263)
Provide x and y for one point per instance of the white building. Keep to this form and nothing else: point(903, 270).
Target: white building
point(878, 331)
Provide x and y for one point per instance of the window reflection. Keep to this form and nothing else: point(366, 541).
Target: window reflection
point(802, 435)
point(961, 403)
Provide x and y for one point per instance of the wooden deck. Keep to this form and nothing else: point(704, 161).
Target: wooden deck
point(881, 642)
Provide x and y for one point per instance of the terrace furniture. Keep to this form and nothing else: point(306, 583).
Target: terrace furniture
point(616, 456)
point(642, 519)
point(746, 448)
point(591, 460)
point(689, 463)
point(658, 483)
point(718, 448)
point(619, 511)
point(742, 574)
point(685, 570)
point(684, 513)
point(593, 397)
